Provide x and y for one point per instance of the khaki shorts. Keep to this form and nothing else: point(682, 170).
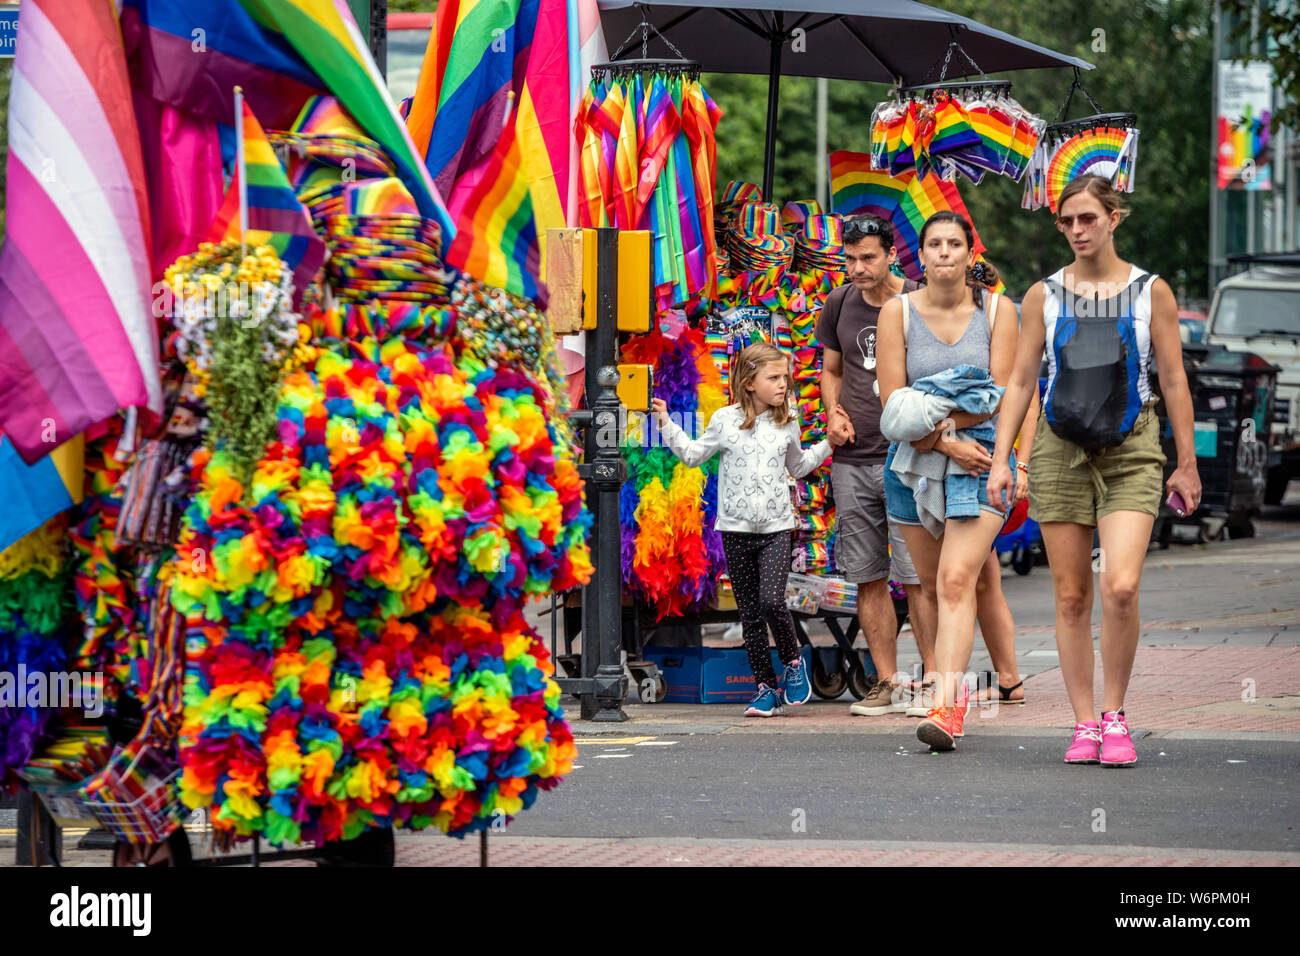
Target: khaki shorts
point(1067, 483)
point(868, 546)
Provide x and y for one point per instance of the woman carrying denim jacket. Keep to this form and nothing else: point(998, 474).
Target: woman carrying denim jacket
point(947, 325)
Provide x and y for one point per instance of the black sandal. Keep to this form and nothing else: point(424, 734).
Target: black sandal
point(984, 695)
point(1005, 693)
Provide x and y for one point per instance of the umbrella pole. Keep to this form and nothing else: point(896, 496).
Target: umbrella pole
point(777, 38)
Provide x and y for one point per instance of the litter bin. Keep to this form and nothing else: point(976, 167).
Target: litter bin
point(1232, 401)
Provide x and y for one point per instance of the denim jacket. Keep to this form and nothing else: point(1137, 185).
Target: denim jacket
point(942, 488)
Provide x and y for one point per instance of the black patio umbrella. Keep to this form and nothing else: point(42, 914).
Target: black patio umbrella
point(885, 41)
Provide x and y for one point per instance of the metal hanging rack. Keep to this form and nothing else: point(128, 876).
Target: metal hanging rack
point(1063, 127)
point(925, 90)
point(646, 63)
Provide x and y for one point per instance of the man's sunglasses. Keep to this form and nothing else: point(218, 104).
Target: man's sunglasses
point(1086, 219)
point(865, 227)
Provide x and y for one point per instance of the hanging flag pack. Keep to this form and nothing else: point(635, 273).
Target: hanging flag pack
point(965, 128)
point(648, 160)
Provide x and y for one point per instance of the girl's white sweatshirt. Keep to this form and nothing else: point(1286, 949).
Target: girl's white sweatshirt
point(753, 494)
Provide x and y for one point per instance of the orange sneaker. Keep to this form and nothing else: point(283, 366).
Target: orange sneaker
point(960, 711)
point(938, 730)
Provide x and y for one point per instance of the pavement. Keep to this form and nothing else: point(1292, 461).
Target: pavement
point(1214, 704)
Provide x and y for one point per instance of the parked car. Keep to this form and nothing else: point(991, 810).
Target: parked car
point(1191, 327)
point(1258, 311)
point(408, 35)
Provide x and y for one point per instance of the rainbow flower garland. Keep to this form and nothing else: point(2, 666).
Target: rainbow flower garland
point(34, 610)
point(357, 652)
point(672, 554)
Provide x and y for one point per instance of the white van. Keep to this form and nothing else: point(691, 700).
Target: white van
point(1259, 311)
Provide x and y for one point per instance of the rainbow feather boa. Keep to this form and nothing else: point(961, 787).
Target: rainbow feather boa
point(34, 610)
point(672, 555)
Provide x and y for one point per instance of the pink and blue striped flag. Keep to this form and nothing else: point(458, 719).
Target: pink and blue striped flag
point(78, 339)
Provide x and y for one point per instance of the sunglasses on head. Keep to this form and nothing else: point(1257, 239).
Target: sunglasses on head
point(862, 227)
point(1086, 219)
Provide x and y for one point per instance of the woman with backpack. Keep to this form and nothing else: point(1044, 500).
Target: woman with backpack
point(1098, 463)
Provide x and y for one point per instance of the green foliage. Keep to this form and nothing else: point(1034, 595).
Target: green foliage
point(1276, 25)
point(1157, 62)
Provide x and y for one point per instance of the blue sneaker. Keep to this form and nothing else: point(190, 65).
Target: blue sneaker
point(798, 689)
point(766, 703)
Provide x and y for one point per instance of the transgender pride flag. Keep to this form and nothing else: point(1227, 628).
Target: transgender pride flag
point(77, 337)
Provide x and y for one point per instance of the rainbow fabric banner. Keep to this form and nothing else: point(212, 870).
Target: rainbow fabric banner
point(77, 337)
point(907, 201)
point(486, 59)
point(282, 52)
point(497, 240)
point(275, 216)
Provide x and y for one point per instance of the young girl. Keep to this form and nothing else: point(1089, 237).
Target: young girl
point(1098, 464)
point(758, 438)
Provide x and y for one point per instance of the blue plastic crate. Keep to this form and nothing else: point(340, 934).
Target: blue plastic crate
point(710, 675)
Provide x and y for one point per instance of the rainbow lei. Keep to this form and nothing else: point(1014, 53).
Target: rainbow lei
point(357, 653)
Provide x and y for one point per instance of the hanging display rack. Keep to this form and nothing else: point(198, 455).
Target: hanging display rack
point(646, 63)
point(1063, 127)
point(688, 68)
point(976, 87)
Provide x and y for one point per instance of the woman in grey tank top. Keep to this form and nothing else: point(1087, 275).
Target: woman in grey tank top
point(946, 325)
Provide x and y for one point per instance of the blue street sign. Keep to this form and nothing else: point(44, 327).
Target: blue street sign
point(8, 31)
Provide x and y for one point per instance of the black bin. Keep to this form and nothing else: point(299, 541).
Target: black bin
point(1232, 403)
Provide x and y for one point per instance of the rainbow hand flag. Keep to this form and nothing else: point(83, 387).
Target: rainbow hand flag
point(275, 216)
point(192, 53)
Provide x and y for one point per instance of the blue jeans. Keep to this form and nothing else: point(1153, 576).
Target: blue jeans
point(964, 494)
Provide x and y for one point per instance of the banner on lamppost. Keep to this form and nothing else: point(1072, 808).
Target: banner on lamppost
point(1245, 108)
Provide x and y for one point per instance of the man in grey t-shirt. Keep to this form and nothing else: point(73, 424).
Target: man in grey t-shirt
point(846, 330)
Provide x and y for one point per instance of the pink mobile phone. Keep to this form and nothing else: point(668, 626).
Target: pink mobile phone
point(1175, 501)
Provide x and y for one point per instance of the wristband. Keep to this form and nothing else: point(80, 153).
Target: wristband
point(1021, 466)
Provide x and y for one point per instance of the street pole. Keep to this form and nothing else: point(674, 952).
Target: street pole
point(602, 599)
point(776, 39)
point(822, 198)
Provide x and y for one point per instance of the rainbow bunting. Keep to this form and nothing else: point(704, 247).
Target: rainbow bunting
point(275, 216)
point(77, 337)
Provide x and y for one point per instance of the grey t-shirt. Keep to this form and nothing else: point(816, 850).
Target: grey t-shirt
point(847, 324)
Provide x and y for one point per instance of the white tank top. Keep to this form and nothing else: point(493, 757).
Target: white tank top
point(1116, 306)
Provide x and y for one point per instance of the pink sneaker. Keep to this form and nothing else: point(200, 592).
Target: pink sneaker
point(960, 711)
point(1086, 746)
point(1117, 748)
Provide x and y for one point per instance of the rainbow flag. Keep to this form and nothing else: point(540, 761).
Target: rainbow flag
point(282, 52)
point(497, 236)
point(495, 69)
point(78, 339)
point(907, 201)
point(275, 216)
